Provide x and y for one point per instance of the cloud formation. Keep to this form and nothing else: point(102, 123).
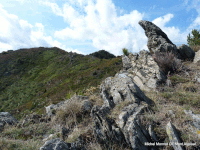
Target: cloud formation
point(16, 33)
point(98, 21)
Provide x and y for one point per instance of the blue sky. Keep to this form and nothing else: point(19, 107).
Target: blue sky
point(86, 26)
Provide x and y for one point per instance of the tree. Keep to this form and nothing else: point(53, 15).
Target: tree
point(125, 51)
point(194, 39)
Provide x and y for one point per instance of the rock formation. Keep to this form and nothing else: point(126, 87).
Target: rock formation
point(143, 70)
point(197, 57)
point(158, 41)
point(6, 117)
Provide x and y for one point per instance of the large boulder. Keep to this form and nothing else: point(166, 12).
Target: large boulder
point(6, 117)
point(197, 57)
point(125, 130)
point(186, 52)
point(143, 70)
point(157, 39)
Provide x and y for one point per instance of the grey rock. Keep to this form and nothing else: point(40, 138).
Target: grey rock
point(55, 144)
point(186, 52)
point(126, 62)
point(197, 57)
point(105, 129)
point(157, 39)
point(174, 137)
point(6, 117)
point(197, 77)
point(135, 134)
point(64, 133)
point(196, 121)
point(152, 133)
point(145, 71)
point(126, 130)
point(120, 88)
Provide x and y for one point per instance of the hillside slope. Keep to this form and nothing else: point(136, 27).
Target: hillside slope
point(33, 78)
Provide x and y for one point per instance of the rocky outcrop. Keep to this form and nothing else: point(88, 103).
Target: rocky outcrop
point(186, 52)
point(143, 70)
point(6, 117)
point(126, 130)
point(195, 123)
point(159, 42)
point(174, 137)
point(157, 39)
point(57, 144)
point(86, 105)
point(197, 57)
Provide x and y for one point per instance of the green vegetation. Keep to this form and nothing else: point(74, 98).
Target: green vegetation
point(194, 39)
point(125, 51)
point(102, 54)
point(33, 78)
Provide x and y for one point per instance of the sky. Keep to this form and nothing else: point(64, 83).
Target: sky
point(87, 26)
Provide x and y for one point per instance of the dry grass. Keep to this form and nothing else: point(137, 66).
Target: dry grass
point(195, 48)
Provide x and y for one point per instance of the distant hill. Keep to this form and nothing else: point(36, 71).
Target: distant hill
point(33, 78)
point(102, 54)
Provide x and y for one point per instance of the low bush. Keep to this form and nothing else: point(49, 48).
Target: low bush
point(168, 62)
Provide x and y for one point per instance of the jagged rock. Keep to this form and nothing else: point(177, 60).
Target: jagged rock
point(135, 134)
point(6, 117)
point(120, 88)
point(157, 39)
point(197, 77)
point(126, 130)
point(106, 131)
point(126, 62)
point(55, 144)
point(152, 133)
point(64, 133)
point(197, 57)
point(174, 137)
point(144, 70)
point(186, 52)
point(196, 121)
point(86, 105)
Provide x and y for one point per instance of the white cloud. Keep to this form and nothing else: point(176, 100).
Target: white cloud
point(16, 33)
point(102, 25)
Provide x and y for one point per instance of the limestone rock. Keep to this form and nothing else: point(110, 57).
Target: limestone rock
point(196, 121)
point(174, 137)
point(197, 57)
point(135, 134)
point(55, 144)
point(105, 128)
point(157, 39)
point(197, 77)
point(145, 71)
point(152, 133)
point(120, 88)
point(126, 130)
point(6, 117)
point(126, 62)
point(186, 52)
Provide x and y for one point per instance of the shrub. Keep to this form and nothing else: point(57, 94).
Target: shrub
point(125, 51)
point(194, 39)
point(195, 48)
point(167, 62)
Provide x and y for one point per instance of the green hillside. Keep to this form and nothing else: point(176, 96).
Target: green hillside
point(33, 78)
